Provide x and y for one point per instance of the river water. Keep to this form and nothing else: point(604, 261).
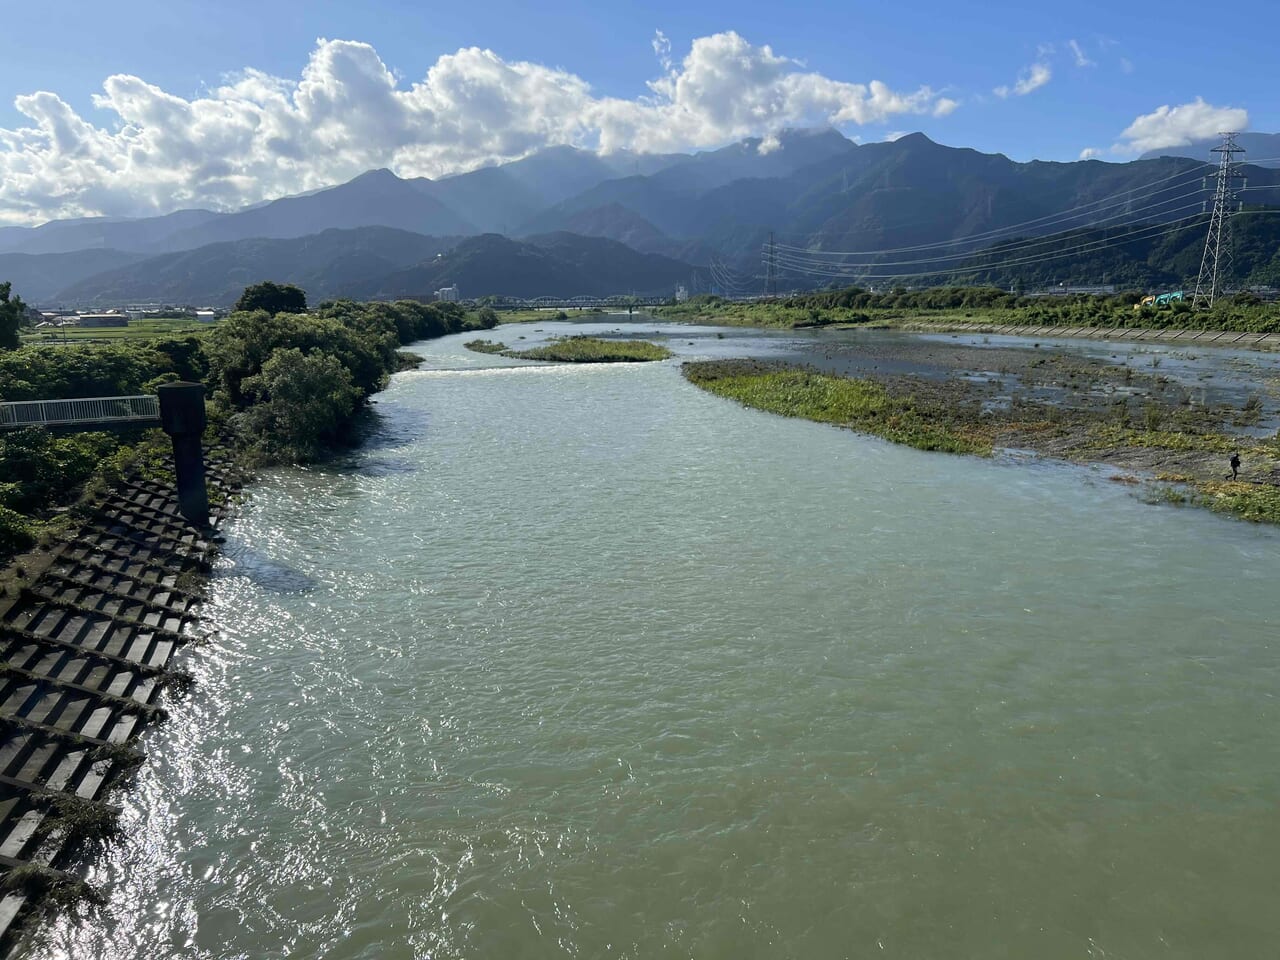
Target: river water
point(582, 661)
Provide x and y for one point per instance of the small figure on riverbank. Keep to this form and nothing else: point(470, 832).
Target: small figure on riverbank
point(1235, 464)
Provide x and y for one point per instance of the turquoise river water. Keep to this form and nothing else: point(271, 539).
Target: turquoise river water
point(580, 661)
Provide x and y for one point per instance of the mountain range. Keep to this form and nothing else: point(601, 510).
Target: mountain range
point(565, 222)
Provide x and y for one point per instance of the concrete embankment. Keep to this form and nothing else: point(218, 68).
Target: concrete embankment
point(1219, 338)
point(89, 634)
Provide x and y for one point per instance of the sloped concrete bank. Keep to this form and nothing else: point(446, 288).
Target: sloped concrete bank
point(89, 635)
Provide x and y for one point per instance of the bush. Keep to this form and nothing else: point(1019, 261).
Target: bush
point(17, 533)
point(41, 469)
point(300, 405)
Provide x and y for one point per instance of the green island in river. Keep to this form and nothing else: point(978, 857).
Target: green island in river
point(579, 350)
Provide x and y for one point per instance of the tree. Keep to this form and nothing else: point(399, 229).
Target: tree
point(11, 313)
point(303, 405)
point(273, 298)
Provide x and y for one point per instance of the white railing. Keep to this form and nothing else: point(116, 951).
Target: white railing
point(105, 410)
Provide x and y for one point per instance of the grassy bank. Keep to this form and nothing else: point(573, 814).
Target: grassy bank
point(580, 350)
point(983, 305)
point(863, 405)
point(1186, 456)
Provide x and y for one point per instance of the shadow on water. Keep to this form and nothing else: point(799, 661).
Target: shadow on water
point(376, 437)
point(238, 559)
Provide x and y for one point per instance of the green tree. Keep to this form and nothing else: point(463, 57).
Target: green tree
point(273, 298)
point(303, 405)
point(11, 313)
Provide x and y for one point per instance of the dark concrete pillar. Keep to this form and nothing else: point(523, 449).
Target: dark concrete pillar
point(182, 417)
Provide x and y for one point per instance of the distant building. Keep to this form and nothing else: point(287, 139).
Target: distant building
point(206, 316)
point(103, 320)
point(681, 294)
point(449, 294)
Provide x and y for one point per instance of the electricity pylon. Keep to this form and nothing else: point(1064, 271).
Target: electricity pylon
point(771, 268)
point(1215, 264)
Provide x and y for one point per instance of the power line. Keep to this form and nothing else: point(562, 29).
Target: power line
point(834, 271)
point(1013, 247)
point(1071, 213)
point(1189, 174)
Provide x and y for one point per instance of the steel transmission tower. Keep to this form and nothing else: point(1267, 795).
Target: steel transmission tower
point(771, 269)
point(1215, 265)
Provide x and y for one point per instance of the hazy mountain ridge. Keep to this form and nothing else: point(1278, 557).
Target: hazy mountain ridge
point(40, 277)
point(327, 264)
point(811, 190)
point(555, 265)
point(383, 263)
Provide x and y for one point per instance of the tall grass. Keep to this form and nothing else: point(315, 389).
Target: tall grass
point(858, 404)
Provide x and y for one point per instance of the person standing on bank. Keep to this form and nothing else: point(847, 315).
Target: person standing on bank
point(1235, 464)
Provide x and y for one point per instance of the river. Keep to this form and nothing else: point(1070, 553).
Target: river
point(582, 661)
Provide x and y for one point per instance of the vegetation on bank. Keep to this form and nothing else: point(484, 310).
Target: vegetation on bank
point(1243, 312)
point(579, 350)
point(932, 417)
point(137, 330)
point(283, 386)
point(863, 405)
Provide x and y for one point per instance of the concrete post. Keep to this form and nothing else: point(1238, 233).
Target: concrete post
point(182, 417)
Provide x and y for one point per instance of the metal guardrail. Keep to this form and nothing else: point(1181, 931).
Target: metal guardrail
point(104, 410)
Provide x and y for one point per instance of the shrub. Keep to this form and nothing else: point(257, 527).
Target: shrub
point(300, 405)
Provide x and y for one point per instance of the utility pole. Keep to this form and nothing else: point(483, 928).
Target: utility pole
point(1215, 264)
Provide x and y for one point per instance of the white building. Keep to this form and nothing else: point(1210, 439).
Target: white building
point(449, 294)
point(206, 316)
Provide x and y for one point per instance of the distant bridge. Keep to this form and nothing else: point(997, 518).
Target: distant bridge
point(86, 414)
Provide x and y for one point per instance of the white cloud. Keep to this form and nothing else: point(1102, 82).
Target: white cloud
point(1081, 59)
point(1032, 78)
point(1088, 153)
point(1178, 126)
point(259, 136)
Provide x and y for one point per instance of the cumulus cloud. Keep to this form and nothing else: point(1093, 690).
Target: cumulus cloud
point(1088, 153)
point(258, 136)
point(1032, 78)
point(1178, 126)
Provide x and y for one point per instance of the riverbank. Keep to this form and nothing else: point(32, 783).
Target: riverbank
point(1179, 335)
point(969, 398)
point(978, 305)
point(91, 626)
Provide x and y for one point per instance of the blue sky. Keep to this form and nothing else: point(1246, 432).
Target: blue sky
point(1074, 77)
